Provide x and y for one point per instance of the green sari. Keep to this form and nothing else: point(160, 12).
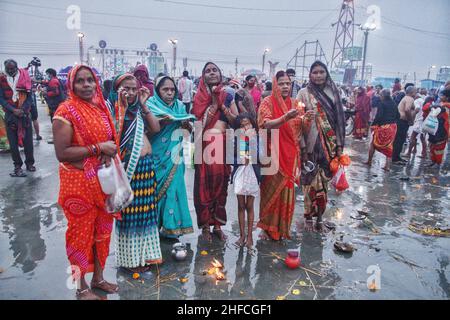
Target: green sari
point(174, 216)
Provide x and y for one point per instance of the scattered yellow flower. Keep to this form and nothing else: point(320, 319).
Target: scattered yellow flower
point(296, 292)
point(136, 275)
point(303, 283)
point(183, 280)
point(241, 292)
point(203, 252)
point(281, 298)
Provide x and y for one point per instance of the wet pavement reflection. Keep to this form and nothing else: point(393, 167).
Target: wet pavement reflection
point(33, 262)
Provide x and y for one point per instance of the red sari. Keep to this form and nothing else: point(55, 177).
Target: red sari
point(210, 180)
point(383, 138)
point(80, 195)
point(362, 115)
point(277, 191)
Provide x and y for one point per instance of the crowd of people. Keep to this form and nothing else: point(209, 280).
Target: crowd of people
point(395, 117)
point(136, 119)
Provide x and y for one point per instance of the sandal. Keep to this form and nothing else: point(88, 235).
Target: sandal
point(105, 286)
point(86, 294)
point(18, 173)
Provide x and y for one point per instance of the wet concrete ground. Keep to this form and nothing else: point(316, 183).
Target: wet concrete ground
point(412, 266)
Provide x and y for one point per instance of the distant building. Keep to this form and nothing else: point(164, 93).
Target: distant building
point(443, 74)
point(386, 82)
point(430, 84)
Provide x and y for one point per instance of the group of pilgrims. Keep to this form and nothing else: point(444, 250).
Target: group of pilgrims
point(90, 131)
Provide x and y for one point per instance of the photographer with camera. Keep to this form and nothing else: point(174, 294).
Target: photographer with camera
point(16, 100)
point(35, 80)
point(53, 91)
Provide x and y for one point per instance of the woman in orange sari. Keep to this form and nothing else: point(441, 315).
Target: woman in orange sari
point(84, 138)
point(280, 111)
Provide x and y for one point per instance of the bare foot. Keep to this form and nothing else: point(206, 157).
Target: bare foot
point(219, 233)
point(87, 294)
point(206, 235)
point(386, 169)
point(105, 286)
point(240, 242)
point(319, 226)
point(309, 225)
point(264, 236)
point(249, 244)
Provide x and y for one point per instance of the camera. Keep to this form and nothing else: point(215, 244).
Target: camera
point(35, 62)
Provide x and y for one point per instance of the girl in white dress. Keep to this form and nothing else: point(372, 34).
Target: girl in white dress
point(246, 174)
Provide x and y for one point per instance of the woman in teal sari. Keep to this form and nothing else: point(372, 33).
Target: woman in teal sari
point(174, 216)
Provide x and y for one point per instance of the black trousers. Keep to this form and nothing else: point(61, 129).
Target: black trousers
point(400, 138)
point(188, 106)
point(27, 145)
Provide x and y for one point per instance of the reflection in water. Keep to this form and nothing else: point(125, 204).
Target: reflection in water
point(443, 275)
point(206, 287)
point(23, 227)
point(242, 287)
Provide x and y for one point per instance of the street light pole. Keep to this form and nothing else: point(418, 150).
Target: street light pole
point(174, 65)
point(366, 30)
point(264, 58)
point(429, 71)
point(80, 41)
point(366, 35)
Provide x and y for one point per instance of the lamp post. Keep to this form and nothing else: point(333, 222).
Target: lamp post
point(174, 65)
point(429, 71)
point(366, 28)
point(266, 50)
point(80, 41)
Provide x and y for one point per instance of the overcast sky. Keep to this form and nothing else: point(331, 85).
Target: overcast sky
point(206, 32)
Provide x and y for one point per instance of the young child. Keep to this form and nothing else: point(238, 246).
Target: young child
point(246, 174)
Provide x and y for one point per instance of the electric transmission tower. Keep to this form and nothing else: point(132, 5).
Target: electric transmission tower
point(345, 31)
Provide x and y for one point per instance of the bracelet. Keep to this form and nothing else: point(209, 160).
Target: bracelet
point(90, 151)
point(97, 149)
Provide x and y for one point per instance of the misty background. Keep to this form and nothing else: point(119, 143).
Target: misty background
point(413, 34)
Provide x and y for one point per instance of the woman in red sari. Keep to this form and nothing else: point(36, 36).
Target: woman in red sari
point(362, 108)
point(84, 138)
point(211, 170)
point(384, 128)
point(280, 111)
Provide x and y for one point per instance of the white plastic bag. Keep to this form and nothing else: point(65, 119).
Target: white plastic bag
point(431, 123)
point(115, 181)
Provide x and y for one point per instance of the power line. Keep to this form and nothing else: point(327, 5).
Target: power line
point(243, 8)
point(159, 18)
point(158, 30)
point(304, 33)
point(394, 23)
